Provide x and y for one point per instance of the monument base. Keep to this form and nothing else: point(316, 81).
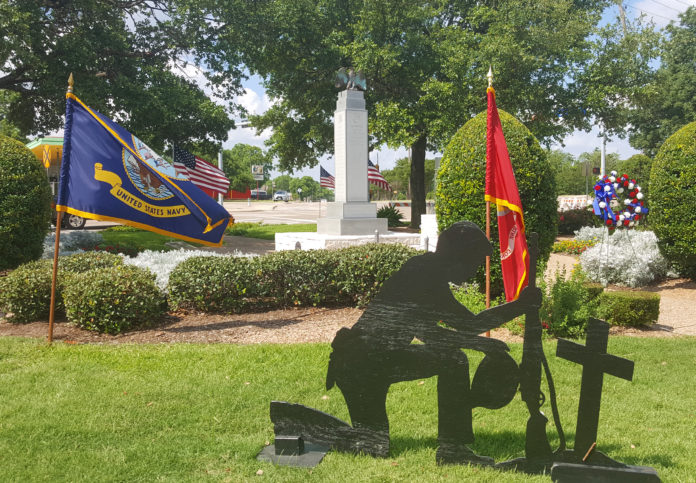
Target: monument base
point(316, 241)
point(351, 218)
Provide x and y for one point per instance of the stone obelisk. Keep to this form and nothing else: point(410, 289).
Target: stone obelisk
point(351, 213)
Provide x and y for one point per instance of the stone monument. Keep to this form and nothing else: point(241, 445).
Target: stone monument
point(351, 213)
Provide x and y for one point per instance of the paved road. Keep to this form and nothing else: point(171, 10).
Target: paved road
point(292, 212)
point(268, 212)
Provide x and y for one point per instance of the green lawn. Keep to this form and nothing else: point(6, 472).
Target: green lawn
point(185, 412)
point(267, 232)
point(136, 238)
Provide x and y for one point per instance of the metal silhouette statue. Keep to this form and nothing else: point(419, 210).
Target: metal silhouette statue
point(414, 328)
point(350, 79)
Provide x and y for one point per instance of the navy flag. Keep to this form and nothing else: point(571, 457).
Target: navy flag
point(108, 174)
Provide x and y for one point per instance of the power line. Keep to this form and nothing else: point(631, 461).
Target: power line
point(684, 3)
point(666, 6)
point(648, 12)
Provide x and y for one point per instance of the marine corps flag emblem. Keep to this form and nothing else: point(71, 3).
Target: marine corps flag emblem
point(109, 174)
point(501, 189)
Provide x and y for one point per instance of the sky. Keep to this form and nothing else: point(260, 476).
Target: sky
point(661, 12)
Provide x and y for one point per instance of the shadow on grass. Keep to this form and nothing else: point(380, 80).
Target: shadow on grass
point(506, 445)
point(277, 323)
point(499, 445)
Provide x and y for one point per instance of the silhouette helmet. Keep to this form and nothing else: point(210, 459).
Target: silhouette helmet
point(463, 240)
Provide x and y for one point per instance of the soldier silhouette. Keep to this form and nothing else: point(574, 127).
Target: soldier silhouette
point(414, 328)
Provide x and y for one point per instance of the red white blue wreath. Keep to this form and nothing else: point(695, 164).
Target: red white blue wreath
point(630, 209)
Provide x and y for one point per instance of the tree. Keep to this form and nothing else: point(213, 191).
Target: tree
point(669, 102)
point(237, 163)
point(399, 176)
point(128, 58)
point(310, 188)
point(282, 182)
point(567, 172)
point(637, 167)
point(7, 128)
point(619, 69)
point(425, 63)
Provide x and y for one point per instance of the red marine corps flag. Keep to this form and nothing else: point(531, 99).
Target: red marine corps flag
point(501, 189)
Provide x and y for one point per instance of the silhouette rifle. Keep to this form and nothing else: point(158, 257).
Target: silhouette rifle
point(537, 448)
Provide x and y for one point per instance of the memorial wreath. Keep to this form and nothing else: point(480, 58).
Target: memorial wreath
point(630, 211)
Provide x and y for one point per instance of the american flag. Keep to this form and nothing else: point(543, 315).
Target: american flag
point(325, 179)
point(200, 172)
point(375, 177)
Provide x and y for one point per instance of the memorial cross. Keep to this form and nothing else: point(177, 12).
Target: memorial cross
point(595, 361)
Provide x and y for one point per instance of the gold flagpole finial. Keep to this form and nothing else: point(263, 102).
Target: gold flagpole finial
point(71, 82)
point(490, 76)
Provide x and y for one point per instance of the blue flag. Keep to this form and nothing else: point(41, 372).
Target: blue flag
point(108, 174)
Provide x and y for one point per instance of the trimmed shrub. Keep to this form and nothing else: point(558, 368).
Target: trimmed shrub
point(594, 290)
point(212, 284)
point(349, 276)
point(629, 308)
point(572, 220)
point(113, 299)
point(672, 200)
point(363, 270)
point(461, 182)
point(296, 277)
point(26, 292)
point(162, 263)
point(25, 204)
point(84, 262)
point(392, 214)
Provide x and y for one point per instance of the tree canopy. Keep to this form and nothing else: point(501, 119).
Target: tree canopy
point(669, 102)
point(131, 60)
point(425, 64)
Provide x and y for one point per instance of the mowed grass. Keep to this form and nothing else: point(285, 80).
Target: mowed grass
point(185, 412)
point(267, 232)
point(136, 238)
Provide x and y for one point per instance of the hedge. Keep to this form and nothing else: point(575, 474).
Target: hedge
point(349, 276)
point(672, 202)
point(25, 204)
point(629, 308)
point(461, 182)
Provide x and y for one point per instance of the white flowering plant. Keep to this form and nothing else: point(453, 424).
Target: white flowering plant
point(629, 258)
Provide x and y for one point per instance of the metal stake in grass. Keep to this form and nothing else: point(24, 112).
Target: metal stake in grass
point(56, 249)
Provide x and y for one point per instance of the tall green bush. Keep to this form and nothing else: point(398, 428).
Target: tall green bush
point(672, 200)
point(461, 182)
point(25, 204)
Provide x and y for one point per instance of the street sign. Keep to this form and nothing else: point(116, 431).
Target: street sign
point(257, 172)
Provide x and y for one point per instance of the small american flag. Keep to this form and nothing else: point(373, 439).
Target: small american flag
point(325, 179)
point(199, 171)
point(375, 177)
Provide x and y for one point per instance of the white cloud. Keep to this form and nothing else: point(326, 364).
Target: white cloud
point(580, 142)
point(253, 102)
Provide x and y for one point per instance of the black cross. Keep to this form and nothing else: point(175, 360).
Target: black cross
point(595, 361)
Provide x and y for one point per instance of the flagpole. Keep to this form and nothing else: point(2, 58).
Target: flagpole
point(56, 250)
point(488, 226)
